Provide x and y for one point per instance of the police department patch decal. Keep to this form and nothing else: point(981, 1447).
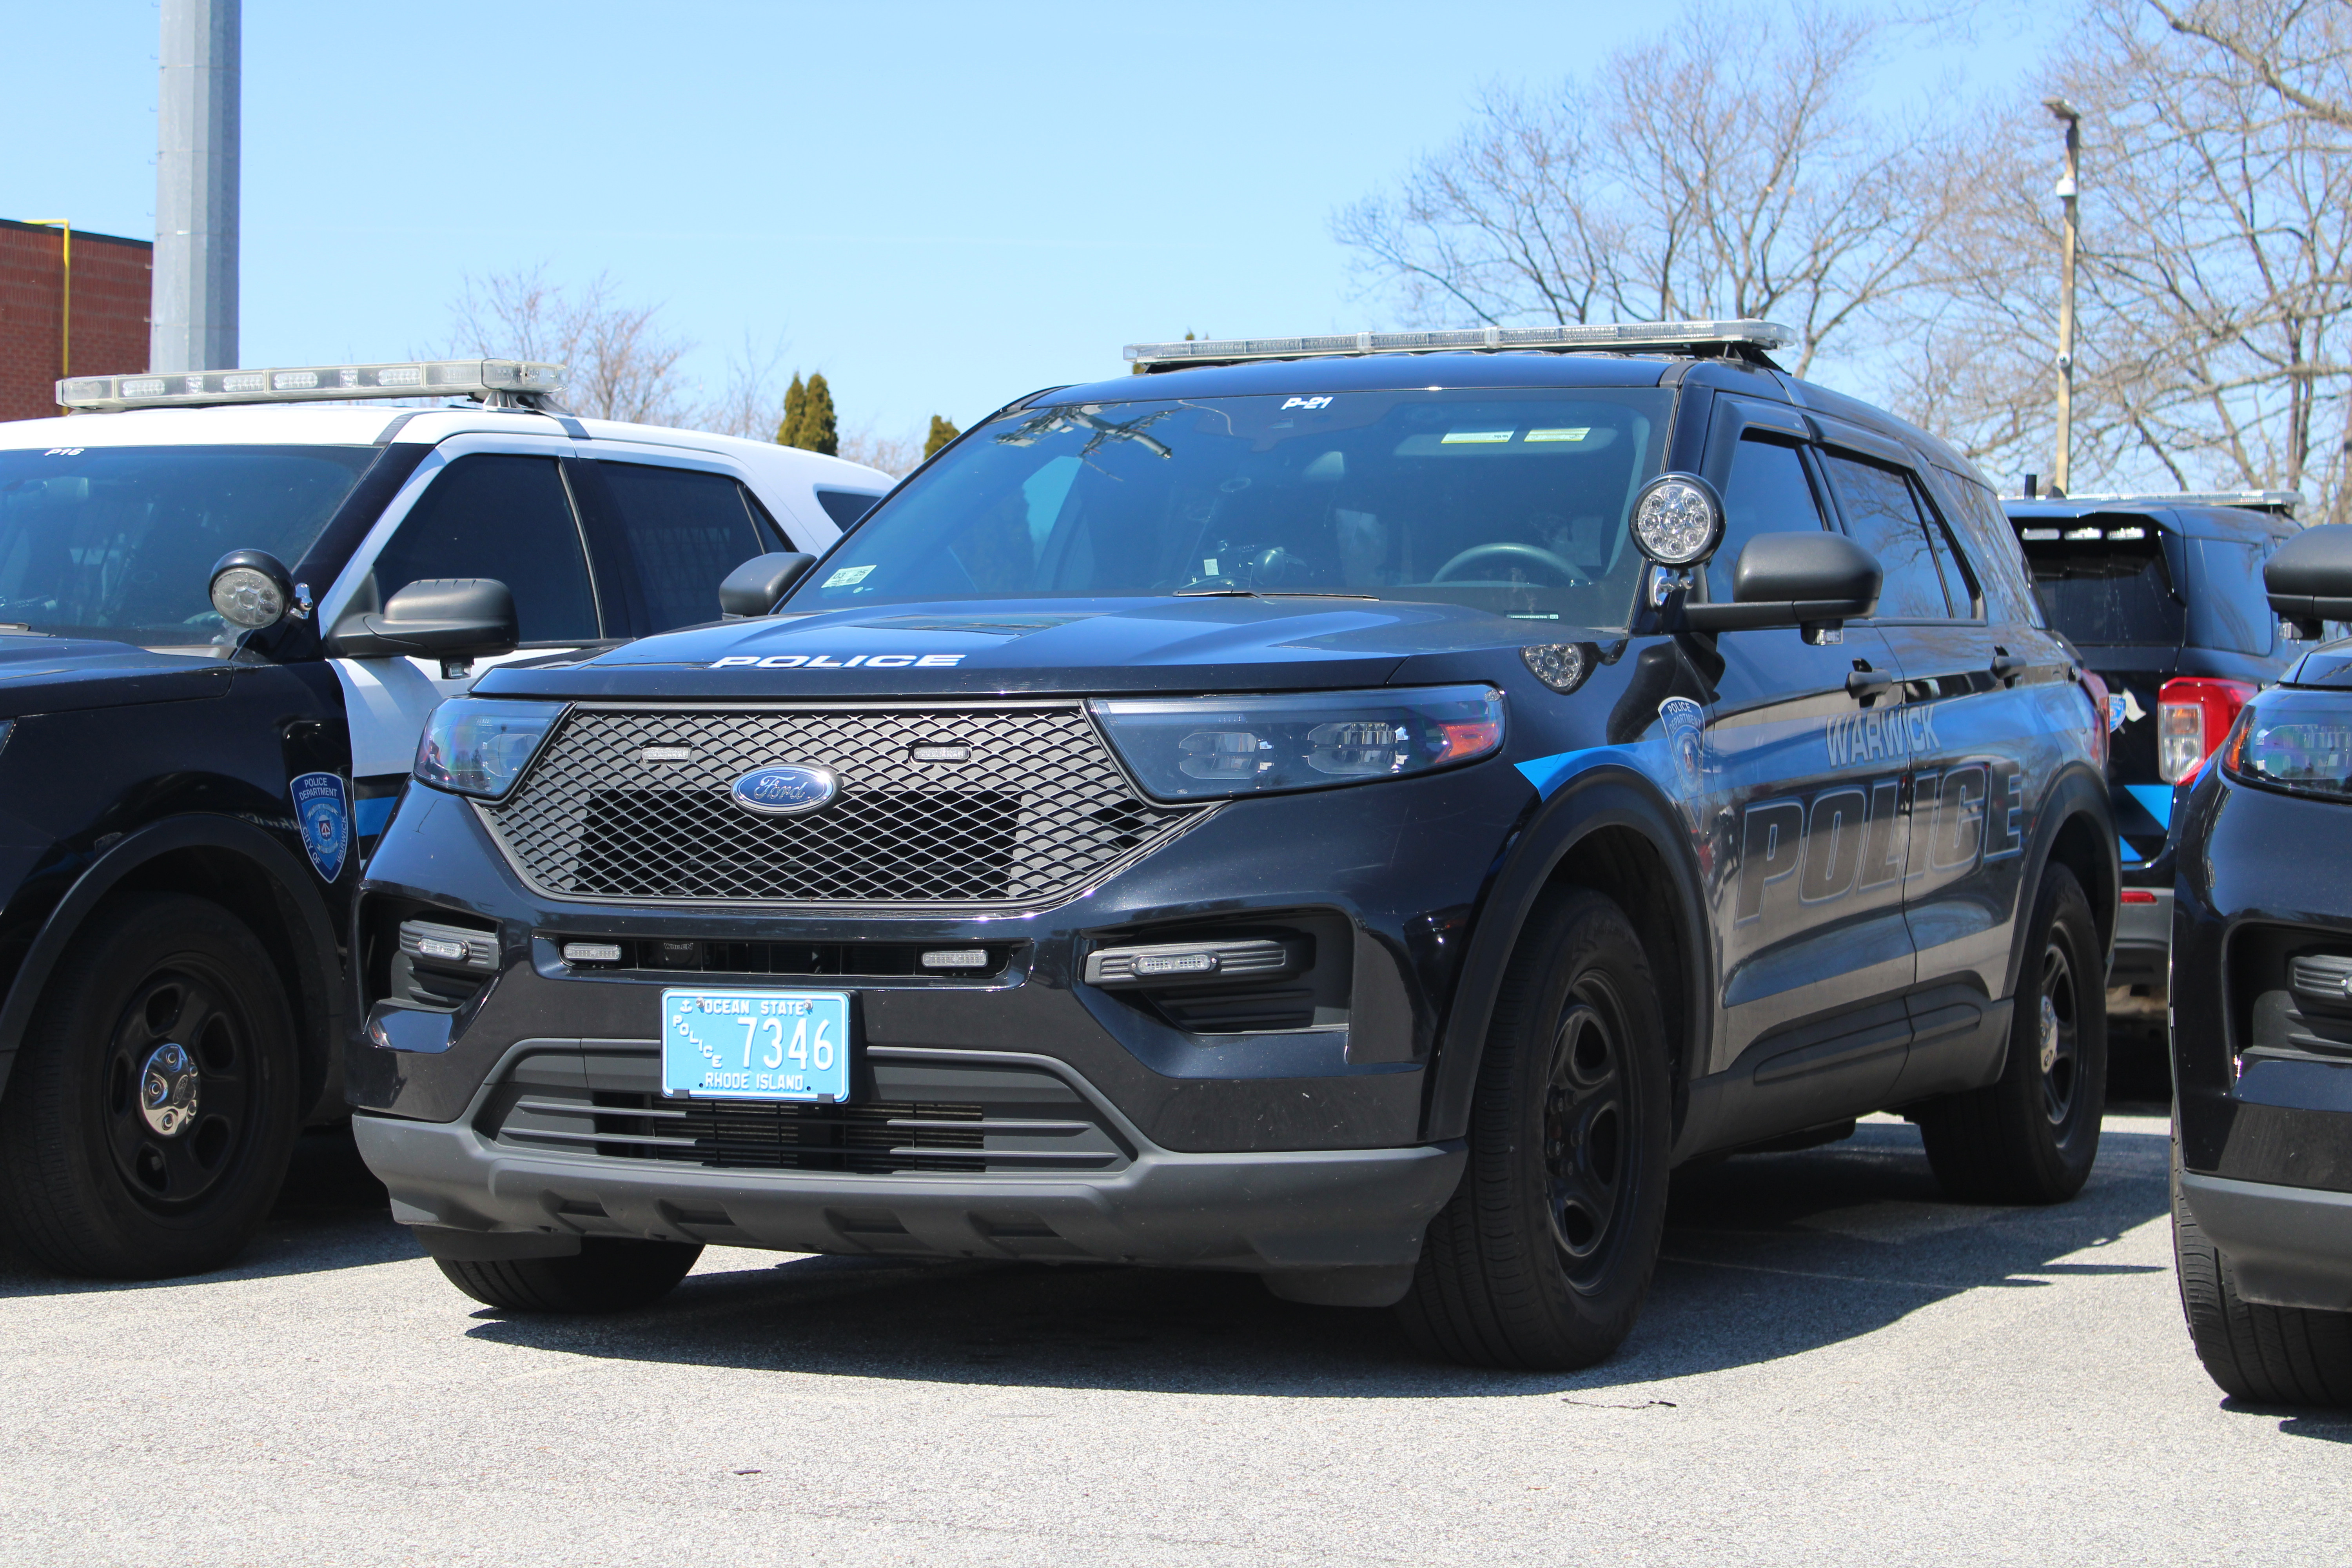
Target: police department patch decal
point(326, 818)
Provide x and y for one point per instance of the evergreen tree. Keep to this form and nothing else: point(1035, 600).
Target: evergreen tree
point(817, 431)
point(943, 430)
point(788, 434)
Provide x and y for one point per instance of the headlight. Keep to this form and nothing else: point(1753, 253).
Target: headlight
point(2299, 740)
point(478, 747)
point(1206, 748)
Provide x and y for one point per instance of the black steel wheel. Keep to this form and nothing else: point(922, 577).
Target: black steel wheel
point(2031, 1136)
point(152, 1110)
point(1543, 1256)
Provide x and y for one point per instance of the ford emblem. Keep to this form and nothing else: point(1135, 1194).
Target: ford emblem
point(785, 789)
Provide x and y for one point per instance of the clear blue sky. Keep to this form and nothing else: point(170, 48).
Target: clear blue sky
point(940, 206)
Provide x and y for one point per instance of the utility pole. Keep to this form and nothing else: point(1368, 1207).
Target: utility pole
point(191, 323)
point(2061, 470)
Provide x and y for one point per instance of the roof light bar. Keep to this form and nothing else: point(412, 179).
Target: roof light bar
point(1592, 335)
point(2251, 501)
point(483, 378)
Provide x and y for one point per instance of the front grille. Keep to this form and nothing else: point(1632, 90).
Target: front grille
point(1002, 1118)
point(1034, 811)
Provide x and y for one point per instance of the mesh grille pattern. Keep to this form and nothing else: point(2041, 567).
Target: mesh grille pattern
point(1037, 811)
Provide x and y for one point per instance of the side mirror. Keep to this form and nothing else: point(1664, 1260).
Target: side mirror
point(2310, 579)
point(253, 591)
point(753, 588)
point(454, 619)
point(1816, 581)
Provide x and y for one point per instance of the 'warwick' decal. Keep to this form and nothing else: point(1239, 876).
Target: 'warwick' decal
point(1894, 732)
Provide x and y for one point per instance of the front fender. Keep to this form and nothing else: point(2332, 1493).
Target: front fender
point(304, 914)
point(1604, 796)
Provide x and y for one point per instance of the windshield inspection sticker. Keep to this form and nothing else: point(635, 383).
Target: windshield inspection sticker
point(326, 819)
point(1474, 438)
point(1576, 433)
point(846, 575)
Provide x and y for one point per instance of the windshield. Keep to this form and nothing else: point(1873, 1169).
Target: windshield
point(1511, 501)
point(2107, 591)
point(119, 542)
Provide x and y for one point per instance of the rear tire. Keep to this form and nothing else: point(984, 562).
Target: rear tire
point(607, 1275)
point(152, 1110)
point(2265, 1355)
point(2031, 1137)
point(1542, 1258)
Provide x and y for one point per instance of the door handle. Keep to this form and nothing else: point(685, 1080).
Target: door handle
point(1866, 684)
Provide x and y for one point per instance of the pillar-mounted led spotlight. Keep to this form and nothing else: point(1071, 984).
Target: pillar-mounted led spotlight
point(1677, 520)
point(253, 591)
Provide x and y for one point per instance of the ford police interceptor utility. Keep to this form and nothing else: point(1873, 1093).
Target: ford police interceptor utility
point(1357, 810)
point(221, 627)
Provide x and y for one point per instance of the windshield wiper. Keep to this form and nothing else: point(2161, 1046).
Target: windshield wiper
point(1263, 594)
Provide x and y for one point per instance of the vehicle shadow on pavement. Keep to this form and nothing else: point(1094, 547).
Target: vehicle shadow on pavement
point(332, 1213)
point(1766, 1255)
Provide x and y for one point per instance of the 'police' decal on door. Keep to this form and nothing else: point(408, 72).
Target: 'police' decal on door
point(326, 819)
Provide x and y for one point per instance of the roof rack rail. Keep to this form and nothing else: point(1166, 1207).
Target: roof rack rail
point(1760, 335)
point(497, 382)
point(2282, 503)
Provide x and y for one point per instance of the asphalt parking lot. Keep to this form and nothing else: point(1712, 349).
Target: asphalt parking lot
point(1835, 1366)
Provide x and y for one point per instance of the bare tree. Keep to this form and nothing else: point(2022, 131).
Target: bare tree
point(2215, 308)
point(896, 456)
point(1720, 169)
point(622, 363)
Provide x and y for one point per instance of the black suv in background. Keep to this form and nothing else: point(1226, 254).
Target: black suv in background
point(1326, 808)
point(2163, 595)
point(2262, 1049)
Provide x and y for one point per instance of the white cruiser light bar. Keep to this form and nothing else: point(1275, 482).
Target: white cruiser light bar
point(482, 378)
point(2283, 502)
point(1594, 335)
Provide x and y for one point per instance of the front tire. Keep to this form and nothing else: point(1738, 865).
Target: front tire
point(1542, 1258)
point(2267, 1355)
point(607, 1275)
point(151, 1114)
point(2031, 1136)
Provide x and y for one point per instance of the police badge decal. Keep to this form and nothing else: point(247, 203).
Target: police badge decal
point(1685, 726)
point(319, 806)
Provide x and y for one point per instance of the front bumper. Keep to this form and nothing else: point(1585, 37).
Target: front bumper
point(1294, 1212)
point(2287, 1247)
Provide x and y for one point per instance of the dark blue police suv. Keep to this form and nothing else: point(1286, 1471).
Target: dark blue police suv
point(1357, 810)
point(2261, 1037)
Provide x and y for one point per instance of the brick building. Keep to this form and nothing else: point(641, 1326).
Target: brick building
point(110, 312)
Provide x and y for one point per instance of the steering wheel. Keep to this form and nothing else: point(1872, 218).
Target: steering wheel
point(1530, 552)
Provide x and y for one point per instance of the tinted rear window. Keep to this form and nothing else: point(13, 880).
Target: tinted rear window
point(2107, 591)
point(846, 507)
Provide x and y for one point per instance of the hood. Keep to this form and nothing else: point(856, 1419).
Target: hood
point(2330, 665)
point(53, 674)
point(1049, 646)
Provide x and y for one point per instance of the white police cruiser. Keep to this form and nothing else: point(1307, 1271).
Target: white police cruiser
point(226, 609)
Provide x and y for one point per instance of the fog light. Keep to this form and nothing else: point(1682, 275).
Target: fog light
point(1176, 964)
point(440, 947)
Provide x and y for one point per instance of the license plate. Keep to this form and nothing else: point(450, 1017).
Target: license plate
point(756, 1045)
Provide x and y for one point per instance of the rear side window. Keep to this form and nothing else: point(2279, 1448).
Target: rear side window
point(846, 507)
point(1992, 546)
point(496, 515)
point(1884, 519)
point(672, 534)
point(2106, 591)
point(1768, 492)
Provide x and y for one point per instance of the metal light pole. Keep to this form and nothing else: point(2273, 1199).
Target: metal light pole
point(191, 323)
point(2061, 470)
